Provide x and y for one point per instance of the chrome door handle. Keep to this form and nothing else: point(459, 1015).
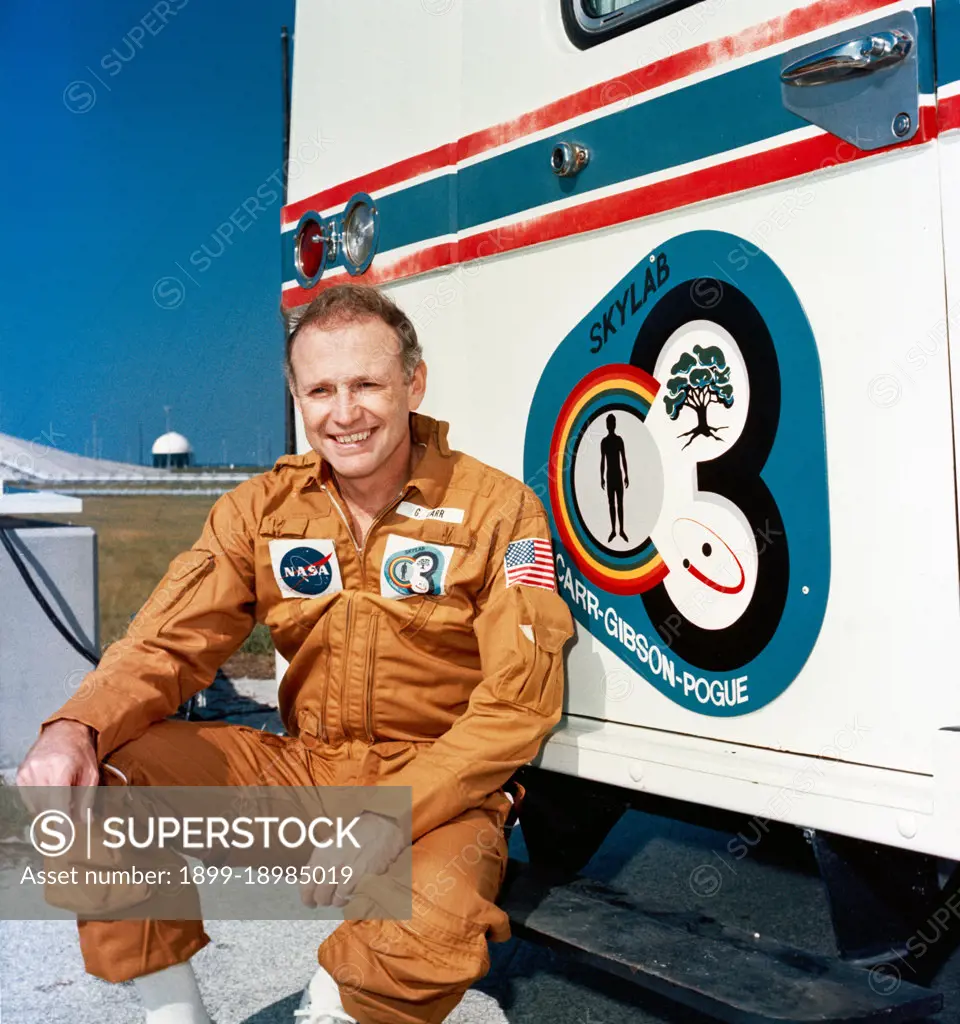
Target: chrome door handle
point(857, 56)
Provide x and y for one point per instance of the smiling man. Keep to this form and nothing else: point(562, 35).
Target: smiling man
point(412, 590)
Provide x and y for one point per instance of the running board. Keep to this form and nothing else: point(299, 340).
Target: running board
point(725, 972)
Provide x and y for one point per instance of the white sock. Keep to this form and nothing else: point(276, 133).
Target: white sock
point(323, 999)
point(171, 996)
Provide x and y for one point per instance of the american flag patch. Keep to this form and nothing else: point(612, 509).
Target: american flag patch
point(530, 562)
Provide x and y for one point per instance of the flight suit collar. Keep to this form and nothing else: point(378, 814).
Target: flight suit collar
point(431, 475)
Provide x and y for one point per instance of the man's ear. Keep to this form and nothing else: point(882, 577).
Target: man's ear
point(417, 387)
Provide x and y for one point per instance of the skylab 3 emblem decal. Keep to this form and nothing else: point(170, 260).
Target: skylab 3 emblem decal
point(410, 569)
point(678, 443)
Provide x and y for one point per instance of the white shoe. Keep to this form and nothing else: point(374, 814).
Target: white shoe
point(321, 1002)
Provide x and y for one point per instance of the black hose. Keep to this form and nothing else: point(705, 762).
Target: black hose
point(187, 709)
point(56, 621)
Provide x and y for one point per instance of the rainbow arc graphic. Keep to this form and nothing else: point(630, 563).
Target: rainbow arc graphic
point(617, 386)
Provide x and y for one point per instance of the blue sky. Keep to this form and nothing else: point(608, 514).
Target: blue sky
point(131, 134)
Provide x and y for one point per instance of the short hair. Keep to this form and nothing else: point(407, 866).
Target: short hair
point(347, 303)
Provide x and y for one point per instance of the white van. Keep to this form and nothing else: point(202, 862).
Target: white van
point(691, 268)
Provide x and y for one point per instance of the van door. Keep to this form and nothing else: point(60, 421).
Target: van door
point(704, 243)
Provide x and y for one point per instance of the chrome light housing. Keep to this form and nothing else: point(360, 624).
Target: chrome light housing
point(361, 233)
point(310, 249)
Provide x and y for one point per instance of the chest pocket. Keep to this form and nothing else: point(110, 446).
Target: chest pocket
point(291, 526)
point(296, 608)
point(468, 544)
point(435, 531)
point(461, 579)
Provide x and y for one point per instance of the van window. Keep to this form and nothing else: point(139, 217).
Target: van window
point(589, 22)
point(597, 8)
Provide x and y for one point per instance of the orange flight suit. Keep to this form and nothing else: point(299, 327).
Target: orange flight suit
point(429, 657)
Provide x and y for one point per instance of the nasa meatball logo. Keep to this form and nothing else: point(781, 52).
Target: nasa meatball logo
point(307, 571)
point(305, 568)
point(685, 469)
point(409, 571)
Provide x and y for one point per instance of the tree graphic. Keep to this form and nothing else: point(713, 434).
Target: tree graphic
point(700, 381)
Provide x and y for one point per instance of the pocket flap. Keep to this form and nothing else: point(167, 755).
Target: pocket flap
point(547, 613)
point(284, 526)
point(433, 531)
point(189, 562)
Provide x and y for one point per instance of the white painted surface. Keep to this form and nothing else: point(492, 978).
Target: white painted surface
point(943, 338)
point(861, 244)
point(37, 503)
point(376, 80)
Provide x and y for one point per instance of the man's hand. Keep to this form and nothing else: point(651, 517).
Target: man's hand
point(381, 842)
point(65, 754)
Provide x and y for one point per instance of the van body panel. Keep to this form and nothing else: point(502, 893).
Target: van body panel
point(498, 260)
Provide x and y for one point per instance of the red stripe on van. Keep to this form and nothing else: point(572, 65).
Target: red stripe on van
point(660, 72)
point(949, 113)
point(393, 174)
point(782, 163)
point(409, 266)
point(788, 161)
point(669, 69)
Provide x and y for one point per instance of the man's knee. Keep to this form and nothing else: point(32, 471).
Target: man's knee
point(171, 753)
point(122, 767)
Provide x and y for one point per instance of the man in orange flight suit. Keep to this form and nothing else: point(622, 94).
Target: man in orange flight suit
point(411, 589)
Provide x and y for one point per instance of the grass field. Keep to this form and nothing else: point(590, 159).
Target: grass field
point(137, 537)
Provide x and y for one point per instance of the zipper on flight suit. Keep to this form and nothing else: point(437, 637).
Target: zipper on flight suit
point(346, 632)
point(361, 548)
point(368, 668)
point(346, 522)
point(372, 635)
point(324, 640)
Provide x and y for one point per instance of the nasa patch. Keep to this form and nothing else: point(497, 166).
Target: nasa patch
point(306, 567)
point(411, 569)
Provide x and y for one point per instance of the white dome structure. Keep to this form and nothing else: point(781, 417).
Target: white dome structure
point(171, 451)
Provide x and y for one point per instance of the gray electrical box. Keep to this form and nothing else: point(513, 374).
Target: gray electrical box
point(39, 670)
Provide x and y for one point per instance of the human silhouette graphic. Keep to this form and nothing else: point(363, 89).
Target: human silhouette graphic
point(612, 453)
